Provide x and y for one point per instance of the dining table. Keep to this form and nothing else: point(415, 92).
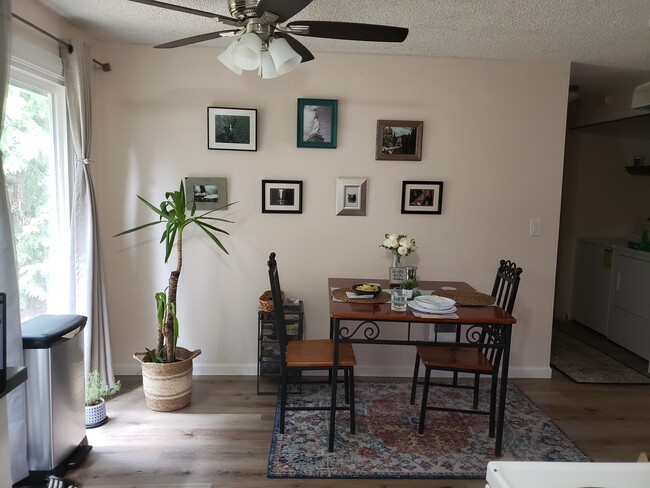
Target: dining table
point(363, 322)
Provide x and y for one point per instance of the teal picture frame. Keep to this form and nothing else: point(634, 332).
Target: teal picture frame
point(317, 123)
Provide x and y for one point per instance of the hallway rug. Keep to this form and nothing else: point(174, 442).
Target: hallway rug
point(386, 444)
point(585, 364)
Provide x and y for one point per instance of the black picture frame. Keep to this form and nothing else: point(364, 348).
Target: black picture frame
point(282, 196)
point(399, 140)
point(232, 129)
point(422, 197)
point(317, 123)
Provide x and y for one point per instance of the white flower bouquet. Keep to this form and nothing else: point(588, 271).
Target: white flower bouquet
point(399, 244)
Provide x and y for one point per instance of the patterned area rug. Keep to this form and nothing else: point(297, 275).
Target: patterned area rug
point(386, 445)
point(584, 364)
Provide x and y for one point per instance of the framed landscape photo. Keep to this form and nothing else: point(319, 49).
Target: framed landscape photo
point(351, 196)
point(399, 140)
point(281, 196)
point(421, 197)
point(317, 123)
point(233, 129)
point(206, 193)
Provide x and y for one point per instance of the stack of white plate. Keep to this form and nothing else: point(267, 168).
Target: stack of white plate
point(433, 304)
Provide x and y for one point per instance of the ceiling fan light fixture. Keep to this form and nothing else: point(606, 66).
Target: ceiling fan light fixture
point(268, 67)
point(284, 57)
point(227, 60)
point(246, 54)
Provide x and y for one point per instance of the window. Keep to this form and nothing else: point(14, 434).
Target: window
point(34, 144)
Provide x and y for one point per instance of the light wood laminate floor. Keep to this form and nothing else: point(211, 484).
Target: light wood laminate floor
point(223, 438)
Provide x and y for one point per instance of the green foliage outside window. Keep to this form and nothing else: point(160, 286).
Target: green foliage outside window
point(27, 150)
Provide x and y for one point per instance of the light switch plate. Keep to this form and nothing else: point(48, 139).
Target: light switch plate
point(535, 227)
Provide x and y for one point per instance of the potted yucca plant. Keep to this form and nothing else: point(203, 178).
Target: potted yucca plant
point(166, 359)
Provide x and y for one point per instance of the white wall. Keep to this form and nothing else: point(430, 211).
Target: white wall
point(493, 132)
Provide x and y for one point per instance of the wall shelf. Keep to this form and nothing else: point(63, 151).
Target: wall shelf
point(638, 170)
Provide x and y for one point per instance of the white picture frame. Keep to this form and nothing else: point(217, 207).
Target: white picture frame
point(351, 195)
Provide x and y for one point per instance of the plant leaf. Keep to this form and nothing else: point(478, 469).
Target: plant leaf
point(140, 227)
point(212, 236)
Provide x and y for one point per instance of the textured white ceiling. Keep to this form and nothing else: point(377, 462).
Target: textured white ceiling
point(606, 33)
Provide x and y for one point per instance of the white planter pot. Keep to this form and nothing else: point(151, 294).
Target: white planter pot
point(96, 415)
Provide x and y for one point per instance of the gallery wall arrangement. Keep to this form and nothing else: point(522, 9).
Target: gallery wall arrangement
point(235, 129)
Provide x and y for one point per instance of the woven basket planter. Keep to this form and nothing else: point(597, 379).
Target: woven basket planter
point(168, 386)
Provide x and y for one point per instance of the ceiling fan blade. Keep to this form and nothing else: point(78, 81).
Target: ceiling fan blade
point(178, 8)
point(199, 38)
point(350, 31)
point(284, 9)
point(297, 46)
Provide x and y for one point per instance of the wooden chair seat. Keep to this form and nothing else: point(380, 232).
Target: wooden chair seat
point(318, 353)
point(454, 358)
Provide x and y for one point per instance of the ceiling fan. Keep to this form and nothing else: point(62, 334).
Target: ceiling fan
point(264, 41)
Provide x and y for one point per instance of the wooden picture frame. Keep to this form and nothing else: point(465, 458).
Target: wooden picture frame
point(317, 123)
point(422, 197)
point(399, 140)
point(351, 195)
point(281, 196)
point(232, 129)
point(207, 193)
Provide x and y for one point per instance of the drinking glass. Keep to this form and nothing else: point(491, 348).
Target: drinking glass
point(398, 300)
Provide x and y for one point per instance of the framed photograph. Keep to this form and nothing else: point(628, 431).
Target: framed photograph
point(351, 196)
point(399, 140)
point(317, 121)
point(207, 193)
point(281, 196)
point(421, 197)
point(233, 129)
point(396, 275)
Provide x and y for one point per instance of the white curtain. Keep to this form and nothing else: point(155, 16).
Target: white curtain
point(16, 407)
point(90, 298)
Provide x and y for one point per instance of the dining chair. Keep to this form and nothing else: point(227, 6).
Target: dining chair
point(481, 355)
point(297, 356)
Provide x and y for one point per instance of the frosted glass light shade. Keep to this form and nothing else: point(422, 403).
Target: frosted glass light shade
point(268, 68)
point(284, 57)
point(246, 54)
point(226, 58)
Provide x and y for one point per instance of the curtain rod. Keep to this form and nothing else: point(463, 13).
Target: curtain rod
point(105, 66)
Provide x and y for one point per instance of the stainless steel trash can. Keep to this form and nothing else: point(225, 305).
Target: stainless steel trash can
point(54, 356)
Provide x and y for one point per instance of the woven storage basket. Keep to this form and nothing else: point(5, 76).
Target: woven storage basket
point(168, 386)
point(266, 301)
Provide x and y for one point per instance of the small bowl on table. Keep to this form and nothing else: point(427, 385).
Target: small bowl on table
point(366, 289)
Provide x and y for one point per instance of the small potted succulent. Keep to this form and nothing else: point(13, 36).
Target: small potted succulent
point(97, 392)
point(410, 287)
